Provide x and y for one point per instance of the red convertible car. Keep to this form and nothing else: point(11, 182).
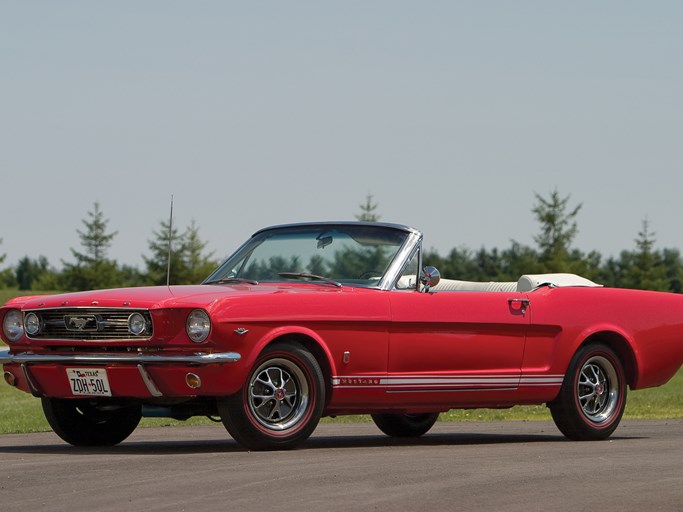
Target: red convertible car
point(326, 319)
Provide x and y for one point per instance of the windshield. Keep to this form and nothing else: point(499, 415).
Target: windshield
point(346, 254)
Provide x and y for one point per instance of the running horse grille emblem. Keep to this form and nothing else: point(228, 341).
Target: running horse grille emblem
point(80, 323)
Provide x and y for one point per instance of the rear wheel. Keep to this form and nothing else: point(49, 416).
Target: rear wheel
point(405, 425)
point(593, 396)
point(280, 404)
point(90, 422)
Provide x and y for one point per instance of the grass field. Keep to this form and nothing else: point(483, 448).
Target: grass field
point(20, 412)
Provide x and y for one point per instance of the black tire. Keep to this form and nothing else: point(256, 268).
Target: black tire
point(405, 425)
point(281, 402)
point(593, 395)
point(84, 422)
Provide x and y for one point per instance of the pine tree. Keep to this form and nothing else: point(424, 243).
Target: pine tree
point(671, 259)
point(29, 271)
point(92, 269)
point(558, 230)
point(157, 263)
point(198, 264)
point(7, 275)
point(367, 211)
point(94, 239)
point(189, 264)
point(647, 270)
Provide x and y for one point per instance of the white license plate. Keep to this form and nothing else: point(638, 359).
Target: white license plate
point(88, 381)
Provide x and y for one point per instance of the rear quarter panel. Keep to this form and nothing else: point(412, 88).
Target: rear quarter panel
point(648, 324)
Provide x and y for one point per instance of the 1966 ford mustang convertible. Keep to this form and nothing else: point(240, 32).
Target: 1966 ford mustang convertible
point(326, 319)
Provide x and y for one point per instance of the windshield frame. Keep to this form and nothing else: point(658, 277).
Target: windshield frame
point(412, 239)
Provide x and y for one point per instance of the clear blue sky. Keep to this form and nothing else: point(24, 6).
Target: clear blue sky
point(451, 114)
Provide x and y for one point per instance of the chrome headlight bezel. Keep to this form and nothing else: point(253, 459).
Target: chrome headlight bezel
point(198, 325)
point(137, 324)
point(32, 324)
point(13, 325)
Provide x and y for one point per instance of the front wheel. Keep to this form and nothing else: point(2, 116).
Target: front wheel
point(90, 422)
point(280, 404)
point(405, 425)
point(593, 395)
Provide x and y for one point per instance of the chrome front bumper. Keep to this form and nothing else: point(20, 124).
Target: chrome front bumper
point(192, 359)
point(25, 359)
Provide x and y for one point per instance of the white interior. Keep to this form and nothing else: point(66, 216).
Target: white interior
point(526, 283)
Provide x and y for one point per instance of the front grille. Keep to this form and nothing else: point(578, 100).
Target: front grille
point(89, 324)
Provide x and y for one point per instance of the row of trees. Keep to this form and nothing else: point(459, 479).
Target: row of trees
point(643, 267)
point(91, 267)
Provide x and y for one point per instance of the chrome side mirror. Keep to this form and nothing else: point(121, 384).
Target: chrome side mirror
point(431, 277)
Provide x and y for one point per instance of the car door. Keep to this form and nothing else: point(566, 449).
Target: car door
point(456, 347)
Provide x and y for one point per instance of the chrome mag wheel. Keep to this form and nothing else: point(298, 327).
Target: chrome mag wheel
point(278, 394)
point(592, 399)
point(597, 389)
point(281, 401)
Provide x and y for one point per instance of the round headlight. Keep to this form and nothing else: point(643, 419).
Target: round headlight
point(13, 325)
point(198, 325)
point(32, 324)
point(137, 324)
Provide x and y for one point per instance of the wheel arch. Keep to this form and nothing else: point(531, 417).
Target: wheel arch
point(311, 342)
point(621, 347)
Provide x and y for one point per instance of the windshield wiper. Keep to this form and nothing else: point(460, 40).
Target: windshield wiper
point(304, 275)
point(227, 280)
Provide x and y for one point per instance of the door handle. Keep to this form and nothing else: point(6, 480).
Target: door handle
point(523, 304)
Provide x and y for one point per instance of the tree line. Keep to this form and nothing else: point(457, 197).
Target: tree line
point(92, 269)
point(642, 267)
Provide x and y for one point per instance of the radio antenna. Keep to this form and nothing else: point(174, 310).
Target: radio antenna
point(170, 240)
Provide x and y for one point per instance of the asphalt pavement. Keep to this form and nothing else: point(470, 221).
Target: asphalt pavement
point(511, 466)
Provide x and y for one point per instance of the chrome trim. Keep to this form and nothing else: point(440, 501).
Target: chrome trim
point(420, 263)
point(524, 304)
point(149, 382)
point(92, 341)
point(412, 232)
point(29, 380)
point(110, 324)
point(126, 308)
point(413, 239)
point(400, 260)
point(194, 359)
point(399, 227)
point(463, 390)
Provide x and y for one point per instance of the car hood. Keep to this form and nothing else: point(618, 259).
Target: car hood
point(160, 297)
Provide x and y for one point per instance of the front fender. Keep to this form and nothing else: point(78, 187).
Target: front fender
point(287, 331)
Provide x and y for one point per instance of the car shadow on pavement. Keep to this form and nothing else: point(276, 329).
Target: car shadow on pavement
point(227, 445)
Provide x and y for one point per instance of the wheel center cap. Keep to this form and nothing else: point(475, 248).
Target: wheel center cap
point(280, 394)
point(600, 390)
